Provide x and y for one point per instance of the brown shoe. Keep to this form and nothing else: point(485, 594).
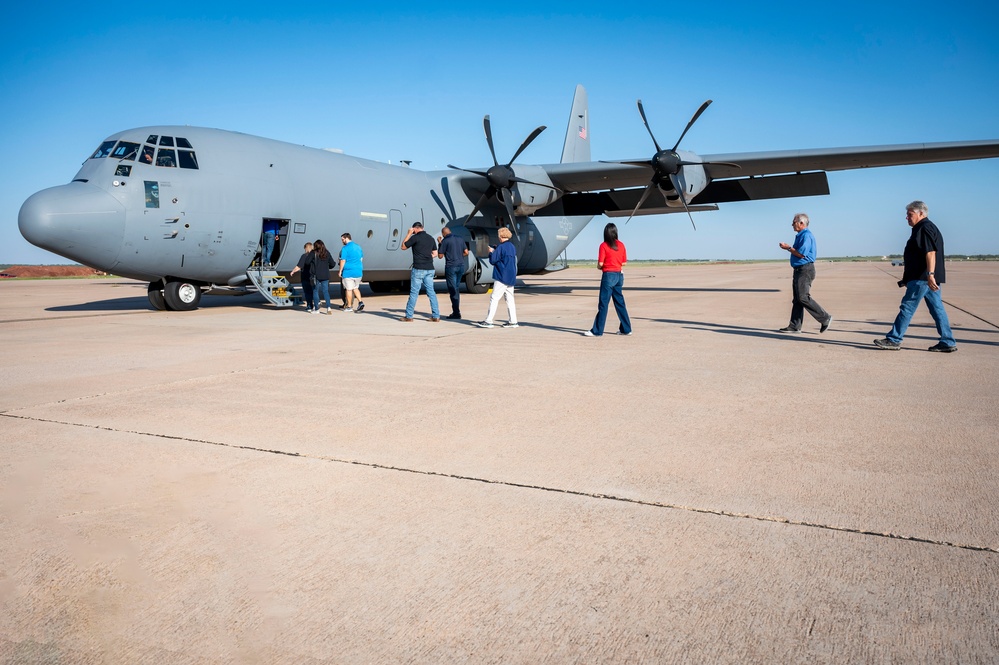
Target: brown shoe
point(435, 319)
point(406, 319)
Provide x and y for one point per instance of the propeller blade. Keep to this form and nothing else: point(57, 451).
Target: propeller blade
point(673, 178)
point(539, 184)
point(482, 199)
point(489, 138)
point(526, 143)
point(682, 163)
point(641, 110)
point(508, 200)
point(458, 168)
point(735, 166)
point(692, 121)
point(645, 195)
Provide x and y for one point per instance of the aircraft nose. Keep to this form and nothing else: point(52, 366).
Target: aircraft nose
point(79, 221)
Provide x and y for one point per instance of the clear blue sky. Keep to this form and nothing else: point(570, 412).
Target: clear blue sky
point(412, 81)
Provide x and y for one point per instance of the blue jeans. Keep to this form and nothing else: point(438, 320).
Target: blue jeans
point(322, 291)
point(424, 278)
point(453, 275)
point(268, 247)
point(916, 290)
point(611, 286)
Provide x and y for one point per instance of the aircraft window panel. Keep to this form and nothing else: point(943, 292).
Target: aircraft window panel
point(152, 139)
point(166, 157)
point(152, 194)
point(103, 151)
point(166, 140)
point(184, 143)
point(125, 150)
point(123, 170)
point(147, 154)
point(188, 160)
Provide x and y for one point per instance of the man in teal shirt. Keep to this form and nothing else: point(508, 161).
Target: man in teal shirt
point(803, 255)
point(351, 270)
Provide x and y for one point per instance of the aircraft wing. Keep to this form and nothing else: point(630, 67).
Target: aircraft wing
point(593, 188)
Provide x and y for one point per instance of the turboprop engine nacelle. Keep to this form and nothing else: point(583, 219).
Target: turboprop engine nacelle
point(529, 197)
point(692, 180)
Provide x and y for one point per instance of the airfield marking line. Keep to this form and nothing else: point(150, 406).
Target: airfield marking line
point(77, 316)
point(506, 483)
point(947, 302)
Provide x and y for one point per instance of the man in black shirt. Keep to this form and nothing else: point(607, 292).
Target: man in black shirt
point(422, 274)
point(454, 251)
point(922, 276)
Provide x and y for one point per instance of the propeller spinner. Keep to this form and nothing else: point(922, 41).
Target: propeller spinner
point(667, 164)
point(501, 177)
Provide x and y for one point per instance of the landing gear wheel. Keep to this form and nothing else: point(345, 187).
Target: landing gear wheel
point(181, 296)
point(471, 277)
point(156, 298)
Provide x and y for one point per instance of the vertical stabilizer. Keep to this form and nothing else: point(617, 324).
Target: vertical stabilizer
point(577, 135)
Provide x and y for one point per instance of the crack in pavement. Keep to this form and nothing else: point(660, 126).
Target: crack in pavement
point(557, 490)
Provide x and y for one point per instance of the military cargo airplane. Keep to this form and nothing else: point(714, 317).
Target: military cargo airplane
point(183, 208)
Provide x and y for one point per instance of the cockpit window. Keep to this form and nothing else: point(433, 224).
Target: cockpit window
point(188, 160)
point(184, 143)
point(152, 139)
point(166, 140)
point(147, 154)
point(166, 157)
point(125, 150)
point(103, 151)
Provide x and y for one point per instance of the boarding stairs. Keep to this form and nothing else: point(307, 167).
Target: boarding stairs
point(272, 286)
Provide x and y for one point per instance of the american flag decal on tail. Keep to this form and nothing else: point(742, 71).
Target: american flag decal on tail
point(582, 132)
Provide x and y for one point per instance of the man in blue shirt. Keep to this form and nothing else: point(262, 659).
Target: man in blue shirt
point(453, 250)
point(351, 270)
point(803, 254)
point(271, 229)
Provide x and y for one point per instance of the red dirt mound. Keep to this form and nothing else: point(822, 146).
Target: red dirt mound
point(52, 271)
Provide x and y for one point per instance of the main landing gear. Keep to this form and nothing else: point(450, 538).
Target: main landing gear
point(176, 294)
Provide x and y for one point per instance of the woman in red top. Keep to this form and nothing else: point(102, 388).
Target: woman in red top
point(611, 260)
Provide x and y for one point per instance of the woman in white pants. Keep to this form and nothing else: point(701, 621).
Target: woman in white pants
point(504, 260)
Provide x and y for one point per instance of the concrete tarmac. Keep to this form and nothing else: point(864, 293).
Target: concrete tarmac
point(242, 484)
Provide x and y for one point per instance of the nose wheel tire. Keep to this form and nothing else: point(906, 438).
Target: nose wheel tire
point(181, 296)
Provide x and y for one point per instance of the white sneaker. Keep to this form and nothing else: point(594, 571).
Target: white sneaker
point(484, 324)
point(511, 324)
point(348, 309)
point(626, 334)
point(588, 334)
point(329, 310)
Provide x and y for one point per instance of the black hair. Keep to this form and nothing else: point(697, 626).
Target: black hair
point(320, 249)
point(345, 235)
point(610, 235)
